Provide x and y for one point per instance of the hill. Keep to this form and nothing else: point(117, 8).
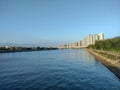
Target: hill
point(108, 44)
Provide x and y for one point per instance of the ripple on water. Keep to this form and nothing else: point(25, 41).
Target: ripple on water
point(55, 70)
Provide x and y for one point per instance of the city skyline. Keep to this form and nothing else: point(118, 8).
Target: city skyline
point(55, 22)
point(88, 40)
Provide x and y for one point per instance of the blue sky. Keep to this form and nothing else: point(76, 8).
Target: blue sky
point(57, 21)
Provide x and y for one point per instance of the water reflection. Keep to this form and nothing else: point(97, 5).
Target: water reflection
point(81, 54)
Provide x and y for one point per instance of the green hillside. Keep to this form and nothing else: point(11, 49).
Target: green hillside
point(108, 44)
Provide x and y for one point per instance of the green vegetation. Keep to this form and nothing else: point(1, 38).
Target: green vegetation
point(107, 55)
point(107, 45)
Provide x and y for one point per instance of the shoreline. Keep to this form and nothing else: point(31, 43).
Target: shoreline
point(14, 51)
point(110, 64)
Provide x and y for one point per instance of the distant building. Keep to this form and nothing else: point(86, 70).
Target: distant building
point(79, 44)
point(89, 40)
point(101, 36)
point(95, 38)
point(62, 46)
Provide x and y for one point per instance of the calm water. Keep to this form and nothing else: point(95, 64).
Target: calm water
point(55, 70)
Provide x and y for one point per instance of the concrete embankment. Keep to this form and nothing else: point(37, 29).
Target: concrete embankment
point(112, 64)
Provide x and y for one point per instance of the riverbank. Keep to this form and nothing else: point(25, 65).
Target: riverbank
point(24, 49)
point(112, 62)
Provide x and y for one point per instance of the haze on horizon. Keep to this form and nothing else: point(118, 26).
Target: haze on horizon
point(52, 22)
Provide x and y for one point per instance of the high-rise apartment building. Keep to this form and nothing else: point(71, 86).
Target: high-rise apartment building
point(101, 36)
point(95, 38)
point(89, 40)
